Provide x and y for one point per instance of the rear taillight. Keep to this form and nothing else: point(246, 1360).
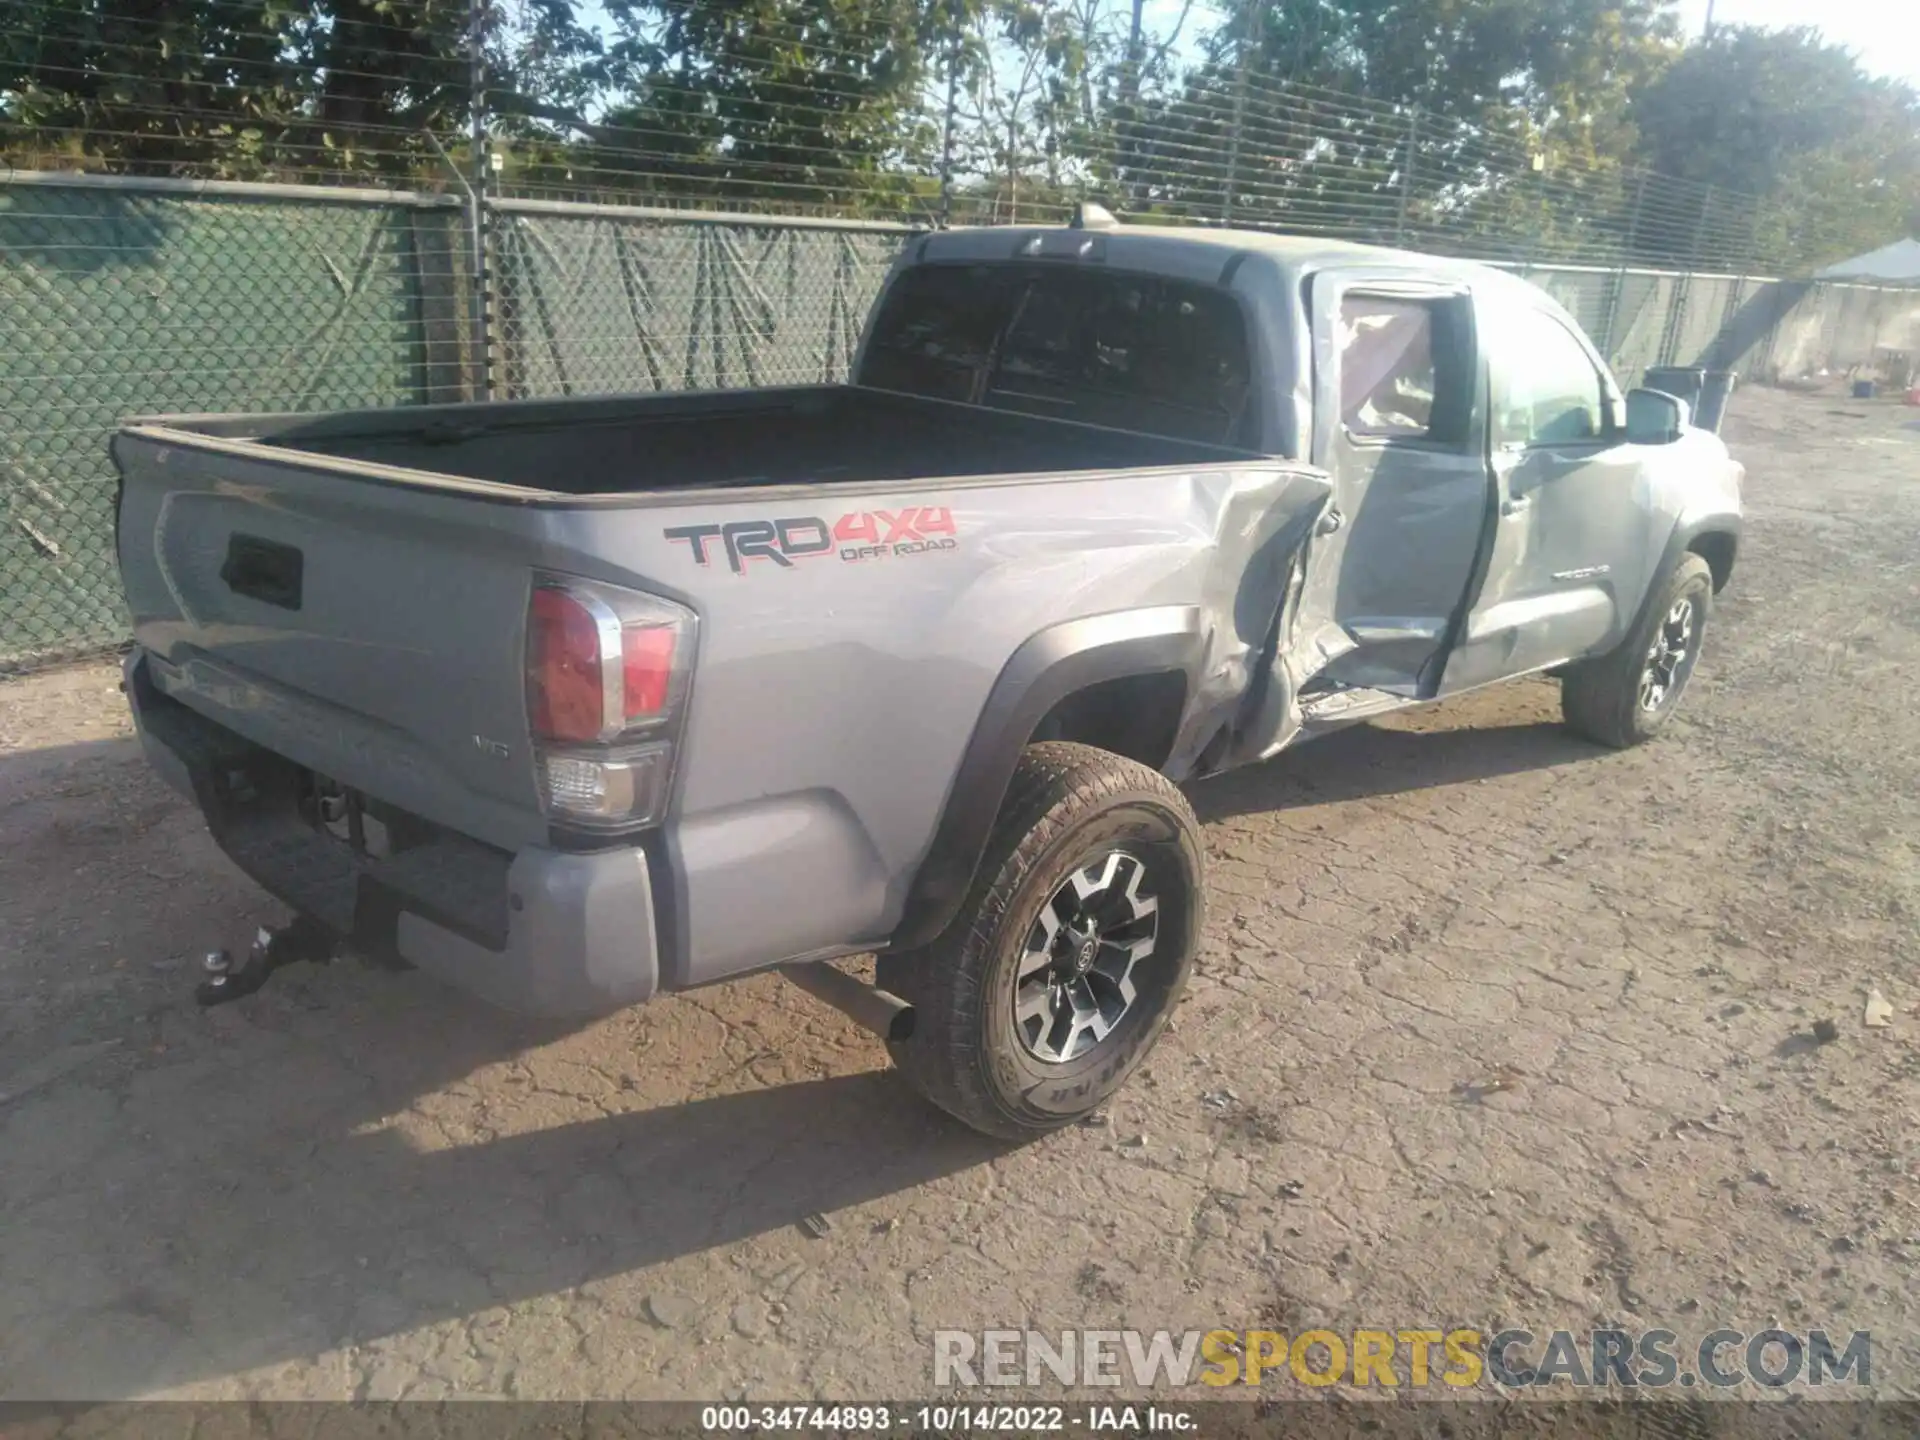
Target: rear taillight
point(607, 672)
point(568, 635)
point(646, 670)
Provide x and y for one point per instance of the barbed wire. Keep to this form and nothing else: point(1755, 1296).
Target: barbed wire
point(791, 123)
point(274, 217)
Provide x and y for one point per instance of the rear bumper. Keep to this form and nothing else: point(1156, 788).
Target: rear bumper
point(541, 932)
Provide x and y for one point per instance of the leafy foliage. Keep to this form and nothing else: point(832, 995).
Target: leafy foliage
point(1579, 129)
point(144, 84)
point(786, 99)
point(1785, 116)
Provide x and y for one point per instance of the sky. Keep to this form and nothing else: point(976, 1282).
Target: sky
point(1885, 34)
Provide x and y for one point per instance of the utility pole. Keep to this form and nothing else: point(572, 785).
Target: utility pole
point(1233, 141)
point(477, 192)
point(1628, 254)
point(1406, 174)
point(1244, 44)
point(953, 100)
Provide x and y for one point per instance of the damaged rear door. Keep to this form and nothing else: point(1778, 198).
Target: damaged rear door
point(1398, 423)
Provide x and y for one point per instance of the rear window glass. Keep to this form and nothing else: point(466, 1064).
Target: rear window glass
point(935, 334)
point(1106, 348)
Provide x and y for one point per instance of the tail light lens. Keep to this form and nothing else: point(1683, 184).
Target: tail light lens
point(566, 664)
point(646, 670)
point(607, 672)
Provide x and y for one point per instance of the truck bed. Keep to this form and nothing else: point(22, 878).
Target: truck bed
point(367, 627)
point(633, 444)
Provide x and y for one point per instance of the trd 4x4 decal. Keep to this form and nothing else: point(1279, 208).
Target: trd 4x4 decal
point(856, 536)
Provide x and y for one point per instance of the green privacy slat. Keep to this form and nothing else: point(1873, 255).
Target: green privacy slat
point(114, 302)
point(124, 297)
point(598, 304)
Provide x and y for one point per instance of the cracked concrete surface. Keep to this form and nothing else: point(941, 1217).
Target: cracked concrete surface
point(1516, 1031)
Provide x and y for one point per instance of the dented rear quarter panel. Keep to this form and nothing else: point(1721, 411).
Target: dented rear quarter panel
point(838, 688)
point(834, 695)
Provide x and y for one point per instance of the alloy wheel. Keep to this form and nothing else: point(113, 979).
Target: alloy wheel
point(1669, 656)
point(1075, 979)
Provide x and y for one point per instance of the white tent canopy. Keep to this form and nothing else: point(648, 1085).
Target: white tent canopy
point(1898, 261)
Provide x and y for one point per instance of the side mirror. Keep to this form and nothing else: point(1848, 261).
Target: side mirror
point(1655, 417)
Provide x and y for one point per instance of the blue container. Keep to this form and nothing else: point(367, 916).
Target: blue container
point(1863, 389)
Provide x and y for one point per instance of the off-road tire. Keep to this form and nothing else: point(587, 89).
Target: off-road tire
point(1067, 807)
point(1601, 698)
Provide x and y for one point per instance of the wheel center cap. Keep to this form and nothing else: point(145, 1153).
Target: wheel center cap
point(1084, 956)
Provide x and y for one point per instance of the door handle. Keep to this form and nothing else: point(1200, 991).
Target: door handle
point(1331, 521)
point(1515, 506)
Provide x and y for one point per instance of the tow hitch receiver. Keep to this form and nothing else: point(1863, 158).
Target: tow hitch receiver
point(304, 939)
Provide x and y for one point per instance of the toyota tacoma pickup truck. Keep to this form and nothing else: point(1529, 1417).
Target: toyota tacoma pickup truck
point(575, 702)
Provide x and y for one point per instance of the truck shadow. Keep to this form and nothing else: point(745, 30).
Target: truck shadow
point(352, 1155)
point(268, 1252)
point(1367, 761)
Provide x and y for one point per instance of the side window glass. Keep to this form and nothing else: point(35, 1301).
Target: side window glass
point(1406, 369)
point(1386, 367)
point(1553, 393)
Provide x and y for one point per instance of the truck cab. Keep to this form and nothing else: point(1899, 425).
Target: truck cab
point(1492, 513)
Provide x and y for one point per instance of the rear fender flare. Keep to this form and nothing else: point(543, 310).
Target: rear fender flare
point(1046, 669)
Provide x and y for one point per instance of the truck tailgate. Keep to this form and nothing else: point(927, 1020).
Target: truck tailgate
point(356, 627)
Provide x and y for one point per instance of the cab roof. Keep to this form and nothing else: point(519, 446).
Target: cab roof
point(1196, 252)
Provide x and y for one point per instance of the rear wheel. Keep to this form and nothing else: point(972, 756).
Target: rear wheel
point(1074, 945)
point(1624, 697)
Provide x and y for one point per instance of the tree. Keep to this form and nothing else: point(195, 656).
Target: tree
point(384, 66)
point(145, 85)
point(1384, 118)
point(270, 88)
point(1566, 63)
point(1832, 152)
point(793, 101)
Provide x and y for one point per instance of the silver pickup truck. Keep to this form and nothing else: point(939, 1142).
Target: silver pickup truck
point(573, 702)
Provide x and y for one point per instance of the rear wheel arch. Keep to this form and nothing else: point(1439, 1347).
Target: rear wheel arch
point(1135, 716)
point(1061, 684)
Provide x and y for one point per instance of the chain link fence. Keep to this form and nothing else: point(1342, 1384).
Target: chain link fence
point(592, 300)
point(127, 296)
point(124, 298)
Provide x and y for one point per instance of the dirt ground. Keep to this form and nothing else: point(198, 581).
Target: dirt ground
point(1491, 1027)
